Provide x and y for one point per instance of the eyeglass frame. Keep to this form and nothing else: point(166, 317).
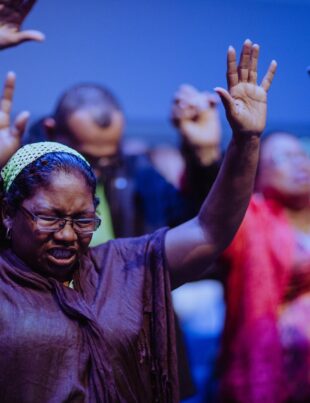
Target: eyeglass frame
point(62, 221)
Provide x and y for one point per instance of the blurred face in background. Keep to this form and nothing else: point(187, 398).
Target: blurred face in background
point(84, 133)
point(284, 171)
point(93, 140)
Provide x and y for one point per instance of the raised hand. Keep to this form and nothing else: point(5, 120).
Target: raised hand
point(10, 136)
point(195, 115)
point(12, 14)
point(245, 101)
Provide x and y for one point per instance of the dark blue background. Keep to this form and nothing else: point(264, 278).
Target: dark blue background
point(144, 49)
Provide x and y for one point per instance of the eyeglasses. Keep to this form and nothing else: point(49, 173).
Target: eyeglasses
point(53, 224)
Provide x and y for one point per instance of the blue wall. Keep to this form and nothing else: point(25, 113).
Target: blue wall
point(144, 49)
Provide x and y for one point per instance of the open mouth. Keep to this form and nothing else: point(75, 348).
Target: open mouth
point(62, 256)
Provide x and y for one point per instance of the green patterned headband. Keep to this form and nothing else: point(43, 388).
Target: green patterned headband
point(29, 153)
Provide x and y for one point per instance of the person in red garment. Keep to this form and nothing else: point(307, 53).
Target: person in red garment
point(266, 344)
point(265, 349)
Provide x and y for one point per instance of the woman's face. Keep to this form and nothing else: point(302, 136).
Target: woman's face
point(54, 254)
point(285, 168)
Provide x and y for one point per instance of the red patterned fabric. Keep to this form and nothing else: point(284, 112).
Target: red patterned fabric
point(260, 259)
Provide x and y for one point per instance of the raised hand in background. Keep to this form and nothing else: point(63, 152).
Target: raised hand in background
point(195, 115)
point(12, 15)
point(10, 135)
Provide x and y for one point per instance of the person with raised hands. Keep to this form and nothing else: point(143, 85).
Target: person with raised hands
point(97, 323)
point(195, 114)
point(12, 15)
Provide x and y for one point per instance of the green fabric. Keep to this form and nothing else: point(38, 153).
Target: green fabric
point(29, 153)
point(105, 231)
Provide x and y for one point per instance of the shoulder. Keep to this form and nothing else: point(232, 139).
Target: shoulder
point(126, 251)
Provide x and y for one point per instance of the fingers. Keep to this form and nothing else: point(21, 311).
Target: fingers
point(185, 95)
point(253, 64)
point(212, 99)
point(189, 95)
point(245, 60)
point(247, 69)
point(20, 124)
point(226, 98)
point(29, 35)
point(8, 92)
point(267, 80)
point(232, 72)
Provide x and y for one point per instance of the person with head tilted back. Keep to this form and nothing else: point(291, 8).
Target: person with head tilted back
point(265, 352)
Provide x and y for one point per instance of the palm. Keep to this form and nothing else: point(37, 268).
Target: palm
point(245, 101)
point(250, 107)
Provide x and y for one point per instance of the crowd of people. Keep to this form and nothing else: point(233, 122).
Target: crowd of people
point(94, 239)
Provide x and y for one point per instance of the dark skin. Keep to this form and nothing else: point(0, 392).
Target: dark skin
point(12, 15)
point(193, 246)
point(66, 195)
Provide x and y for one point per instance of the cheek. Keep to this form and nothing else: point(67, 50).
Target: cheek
point(25, 238)
point(281, 176)
point(84, 243)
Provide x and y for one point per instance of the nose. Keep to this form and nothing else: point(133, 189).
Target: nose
point(66, 233)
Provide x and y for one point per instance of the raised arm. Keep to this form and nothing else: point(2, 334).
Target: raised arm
point(192, 247)
point(10, 135)
point(12, 15)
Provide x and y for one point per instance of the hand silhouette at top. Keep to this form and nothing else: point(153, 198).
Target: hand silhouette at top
point(12, 15)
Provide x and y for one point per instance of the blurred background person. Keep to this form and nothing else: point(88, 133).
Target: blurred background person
point(199, 305)
point(265, 273)
point(89, 118)
point(266, 343)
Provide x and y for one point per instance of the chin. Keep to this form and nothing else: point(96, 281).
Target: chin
point(60, 273)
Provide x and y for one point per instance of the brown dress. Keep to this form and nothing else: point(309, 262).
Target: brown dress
point(110, 339)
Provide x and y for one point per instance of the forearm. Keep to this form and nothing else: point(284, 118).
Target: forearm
point(192, 247)
point(223, 210)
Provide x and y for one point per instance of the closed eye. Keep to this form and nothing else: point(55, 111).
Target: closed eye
point(47, 218)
